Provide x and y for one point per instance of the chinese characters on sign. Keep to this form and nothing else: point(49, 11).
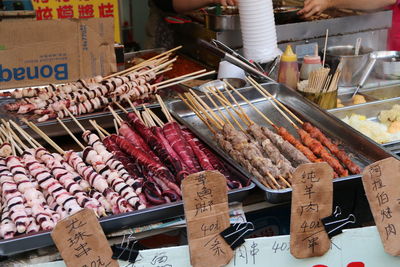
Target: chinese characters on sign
point(207, 215)
point(80, 9)
point(380, 181)
point(81, 241)
point(311, 201)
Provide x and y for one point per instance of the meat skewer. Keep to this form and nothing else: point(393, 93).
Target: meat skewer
point(318, 135)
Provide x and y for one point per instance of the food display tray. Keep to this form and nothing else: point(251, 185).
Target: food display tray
point(362, 150)
point(371, 111)
point(118, 222)
point(103, 117)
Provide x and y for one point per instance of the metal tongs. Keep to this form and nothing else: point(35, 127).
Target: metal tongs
point(225, 52)
point(373, 57)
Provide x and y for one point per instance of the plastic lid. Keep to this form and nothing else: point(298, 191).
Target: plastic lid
point(288, 55)
point(312, 60)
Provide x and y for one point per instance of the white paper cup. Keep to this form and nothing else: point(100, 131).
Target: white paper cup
point(228, 70)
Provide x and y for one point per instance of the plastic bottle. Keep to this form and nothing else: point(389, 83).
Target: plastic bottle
point(310, 63)
point(289, 69)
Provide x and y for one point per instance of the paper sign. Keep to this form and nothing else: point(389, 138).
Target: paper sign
point(381, 184)
point(82, 242)
point(311, 201)
point(82, 9)
point(207, 214)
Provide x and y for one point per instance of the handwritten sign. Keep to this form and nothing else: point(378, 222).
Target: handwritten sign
point(381, 184)
point(207, 214)
point(82, 9)
point(82, 242)
point(311, 201)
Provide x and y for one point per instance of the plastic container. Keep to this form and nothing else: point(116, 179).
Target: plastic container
point(289, 69)
point(310, 63)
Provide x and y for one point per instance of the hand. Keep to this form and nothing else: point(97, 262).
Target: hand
point(225, 2)
point(314, 7)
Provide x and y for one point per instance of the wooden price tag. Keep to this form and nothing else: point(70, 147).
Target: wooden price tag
point(312, 199)
point(381, 184)
point(207, 214)
point(82, 242)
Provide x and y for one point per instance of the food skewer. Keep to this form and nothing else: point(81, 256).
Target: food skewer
point(315, 140)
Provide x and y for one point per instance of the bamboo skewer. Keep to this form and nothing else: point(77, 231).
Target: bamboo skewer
point(10, 131)
point(135, 110)
point(75, 120)
point(218, 108)
point(144, 63)
point(116, 126)
point(154, 116)
point(179, 77)
point(265, 93)
point(185, 80)
point(204, 104)
point(200, 116)
point(198, 106)
point(121, 107)
point(116, 116)
point(325, 45)
point(27, 137)
point(71, 134)
point(223, 103)
point(159, 66)
point(44, 136)
point(249, 121)
point(100, 133)
point(164, 108)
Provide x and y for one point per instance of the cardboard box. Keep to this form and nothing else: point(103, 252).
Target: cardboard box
point(55, 51)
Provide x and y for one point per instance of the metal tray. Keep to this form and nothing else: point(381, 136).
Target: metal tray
point(362, 150)
point(122, 221)
point(383, 93)
point(371, 111)
point(103, 117)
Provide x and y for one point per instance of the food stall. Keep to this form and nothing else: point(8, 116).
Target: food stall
point(130, 167)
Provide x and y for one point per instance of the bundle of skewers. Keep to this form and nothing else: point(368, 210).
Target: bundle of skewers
point(140, 166)
point(137, 84)
point(269, 156)
point(321, 87)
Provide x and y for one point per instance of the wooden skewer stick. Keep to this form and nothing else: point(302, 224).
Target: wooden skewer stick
point(165, 109)
point(254, 107)
point(222, 101)
point(154, 116)
point(135, 110)
point(115, 115)
point(228, 111)
point(325, 45)
point(70, 133)
point(273, 180)
point(265, 93)
point(75, 120)
point(180, 77)
point(31, 141)
point(185, 80)
point(247, 118)
point(10, 131)
point(15, 136)
point(200, 116)
point(201, 108)
point(162, 71)
point(285, 181)
point(121, 107)
point(116, 126)
point(144, 63)
point(100, 133)
point(206, 106)
point(15, 145)
point(218, 108)
point(44, 136)
point(161, 66)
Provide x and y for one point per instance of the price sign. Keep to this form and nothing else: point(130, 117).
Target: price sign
point(82, 242)
point(311, 201)
point(381, 184)
point(207, 214)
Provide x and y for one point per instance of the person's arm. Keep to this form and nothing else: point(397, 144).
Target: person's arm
point(312, 7)
point(182, 6)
